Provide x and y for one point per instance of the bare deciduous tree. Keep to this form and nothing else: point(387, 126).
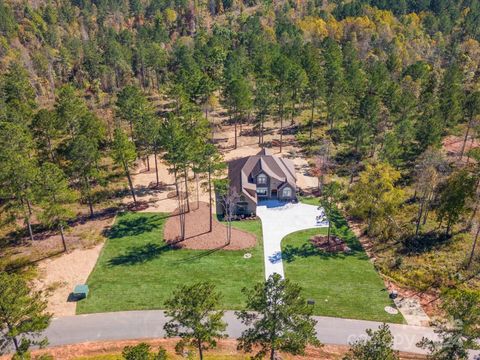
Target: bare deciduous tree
point(229, 197)
point(430, 170)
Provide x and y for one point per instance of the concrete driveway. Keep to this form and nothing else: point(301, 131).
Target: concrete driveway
point(279, 220)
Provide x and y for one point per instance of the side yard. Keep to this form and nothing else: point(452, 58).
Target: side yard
point(342, 284)
point(137, 270)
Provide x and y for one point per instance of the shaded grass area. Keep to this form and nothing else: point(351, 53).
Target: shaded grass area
point(342, 285)
point(137, 270)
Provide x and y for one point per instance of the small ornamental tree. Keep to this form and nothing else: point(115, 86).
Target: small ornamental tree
point(22, 314)
point(330, 196)
point(378, 346)
point(228, 198)
point(124, 155)
point(194, 316)
point(278, 319)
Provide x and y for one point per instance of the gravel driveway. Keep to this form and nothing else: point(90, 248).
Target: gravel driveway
point(279, 220)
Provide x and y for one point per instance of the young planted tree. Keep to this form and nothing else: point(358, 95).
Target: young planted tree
point(22, 314)
point(460, 332)
point(278, 319)
point(453, 199)
point(228, 198)
point(194, 316)
point(378, 346)
point(124, 155)
point(329, 199)
point(53, 195)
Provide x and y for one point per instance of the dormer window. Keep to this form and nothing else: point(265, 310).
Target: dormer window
point(262, 179)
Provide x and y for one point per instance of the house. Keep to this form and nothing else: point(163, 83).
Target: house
point(261, 177)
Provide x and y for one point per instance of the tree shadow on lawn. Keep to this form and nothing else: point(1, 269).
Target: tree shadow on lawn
point(140, 254)
point(144, 253)
point(134, 226)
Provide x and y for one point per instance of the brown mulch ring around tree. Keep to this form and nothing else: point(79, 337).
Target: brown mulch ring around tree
point(197, 235)
point(334, 245)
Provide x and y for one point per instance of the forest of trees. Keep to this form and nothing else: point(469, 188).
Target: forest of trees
point(374, 87)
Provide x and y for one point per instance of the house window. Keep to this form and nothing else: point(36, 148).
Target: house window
point(262, 179)
point(262, 191)
point(287, 192)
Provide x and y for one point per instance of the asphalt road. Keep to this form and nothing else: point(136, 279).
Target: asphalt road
point(149, 324)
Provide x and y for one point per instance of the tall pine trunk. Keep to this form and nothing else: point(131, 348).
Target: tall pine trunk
point(469, 125)
point(236, 120)
point(88, 195)
point(311, 120)
point(156, 166)
point(197, 181)
point(200, 350)
point(210, 196)
point(186, 189)
point(281, 129)
point(62, 235)
point(474, 246)
point(130, 183)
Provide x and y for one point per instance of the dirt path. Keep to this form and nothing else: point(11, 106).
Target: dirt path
point(59, 275)
point(226, 348)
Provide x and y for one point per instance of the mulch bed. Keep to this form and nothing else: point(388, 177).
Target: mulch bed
point(335, 245)
point(197, 235)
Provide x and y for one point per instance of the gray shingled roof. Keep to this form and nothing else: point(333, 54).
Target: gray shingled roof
point(275, 167)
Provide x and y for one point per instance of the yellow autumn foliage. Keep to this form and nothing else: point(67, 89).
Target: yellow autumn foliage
point(313, 28)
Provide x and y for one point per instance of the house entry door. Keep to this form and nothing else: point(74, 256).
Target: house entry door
point(274, 194)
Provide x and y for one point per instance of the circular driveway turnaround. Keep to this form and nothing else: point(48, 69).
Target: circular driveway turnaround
point(279, 220)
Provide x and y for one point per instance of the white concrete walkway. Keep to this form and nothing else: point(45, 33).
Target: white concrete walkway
point(277, 222)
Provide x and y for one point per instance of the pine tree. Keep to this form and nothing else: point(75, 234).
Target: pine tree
point(124, 155)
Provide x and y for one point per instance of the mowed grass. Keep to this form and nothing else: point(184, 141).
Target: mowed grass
point(342, 285)
point(137, 270)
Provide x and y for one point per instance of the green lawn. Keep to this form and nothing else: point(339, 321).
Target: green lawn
point(342, 285)
point(136, 270)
